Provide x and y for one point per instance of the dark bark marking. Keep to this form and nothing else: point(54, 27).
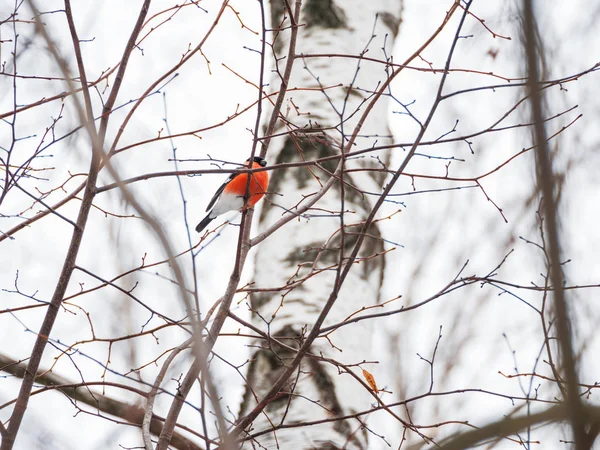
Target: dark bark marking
point(325, 14)
point(391, 21)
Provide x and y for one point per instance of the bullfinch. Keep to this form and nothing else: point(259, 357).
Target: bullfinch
point(230, 196)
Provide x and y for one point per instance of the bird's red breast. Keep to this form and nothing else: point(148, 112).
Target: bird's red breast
point(259, 182)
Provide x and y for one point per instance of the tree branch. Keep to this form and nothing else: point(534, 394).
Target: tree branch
point(80, 392)
point(546, 182)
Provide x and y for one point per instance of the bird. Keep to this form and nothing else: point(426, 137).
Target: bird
point(230, 196)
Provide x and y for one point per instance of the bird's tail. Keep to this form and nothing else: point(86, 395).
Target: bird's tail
point(202, 225)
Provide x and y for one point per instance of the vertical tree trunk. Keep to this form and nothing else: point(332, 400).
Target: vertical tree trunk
point(322, 108)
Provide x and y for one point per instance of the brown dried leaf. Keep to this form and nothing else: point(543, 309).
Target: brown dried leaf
point(371, 380)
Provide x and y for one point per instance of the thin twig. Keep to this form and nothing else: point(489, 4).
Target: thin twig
point(147, 420)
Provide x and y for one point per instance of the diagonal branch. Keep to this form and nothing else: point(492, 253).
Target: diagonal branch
point(81, 393)
point(86, 118)
point(203, 349)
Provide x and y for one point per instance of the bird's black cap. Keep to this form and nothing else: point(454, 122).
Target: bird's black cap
point(261, 161)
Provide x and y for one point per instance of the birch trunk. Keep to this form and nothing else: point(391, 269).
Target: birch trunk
point(322, 107)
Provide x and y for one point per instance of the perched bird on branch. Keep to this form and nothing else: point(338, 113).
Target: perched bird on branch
point(230, 196)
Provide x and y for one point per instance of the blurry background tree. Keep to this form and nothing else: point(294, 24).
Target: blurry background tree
point(414, 278)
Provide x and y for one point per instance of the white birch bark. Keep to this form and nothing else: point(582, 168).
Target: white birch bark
point(312, 243)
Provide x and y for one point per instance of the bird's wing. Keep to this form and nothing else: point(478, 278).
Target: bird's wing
point(219, 192)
